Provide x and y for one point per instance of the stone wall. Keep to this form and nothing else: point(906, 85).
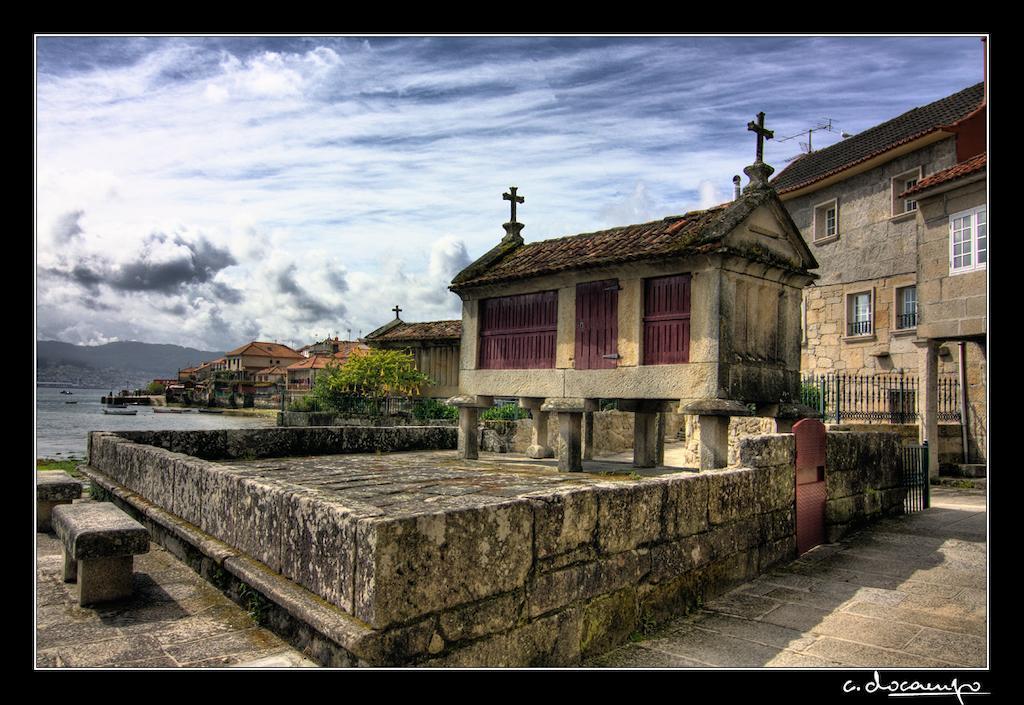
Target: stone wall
point(251, 444)
point(862, 478)
point(530, 571)
point(739, 427)
point(613, 432)
point(304, 419)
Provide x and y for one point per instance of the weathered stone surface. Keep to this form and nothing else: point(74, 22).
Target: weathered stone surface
point(628, 515)
point(564, 521)
point(607, 621)
point(770, 554)
point(55, 486)
point(551, 591)
point(777, 525)
point(217, 516)
point(259, 520)
point(774, 488)
point(318, 546)
point(549, 641)
point(730, 495)
point(672, 559)
point(190, 488)
point(671, 598)
point(686, 506)
point(767, 450)
point(411, 566)
point(482, 618)
point(98, 530)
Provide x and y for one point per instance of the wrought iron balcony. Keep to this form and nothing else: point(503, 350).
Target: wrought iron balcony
point(906, 320)
point(858, 328)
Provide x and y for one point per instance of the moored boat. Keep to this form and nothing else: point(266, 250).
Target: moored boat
point(210, 411)
point(122, 411)
point(168, 410)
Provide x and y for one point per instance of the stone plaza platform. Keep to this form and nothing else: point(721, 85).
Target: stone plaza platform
point(419, 558)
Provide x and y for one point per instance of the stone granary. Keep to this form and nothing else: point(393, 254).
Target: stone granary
point(696, 313)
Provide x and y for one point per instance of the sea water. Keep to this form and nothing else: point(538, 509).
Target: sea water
point(62, 428)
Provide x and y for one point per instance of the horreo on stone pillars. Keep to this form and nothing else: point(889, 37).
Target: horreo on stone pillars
point(469, 406)
point(570, 431)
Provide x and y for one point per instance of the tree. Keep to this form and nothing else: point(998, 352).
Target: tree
point(155, 388)
point(373, 374)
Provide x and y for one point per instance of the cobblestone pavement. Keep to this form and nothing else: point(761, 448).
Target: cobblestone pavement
point(174, 619)
point(908, 592)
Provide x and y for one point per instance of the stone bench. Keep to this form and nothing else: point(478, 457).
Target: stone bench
point(100, 542)
point(53, 488)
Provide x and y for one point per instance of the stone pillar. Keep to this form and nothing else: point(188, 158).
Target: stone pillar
point(469, 435)
point(570, 456)
point(785, 415)
point(659, 448)
point(570, 432)
point(539, 447)
point(929, 428)
point(588, 435)
point(713, 417)
point(645, 439)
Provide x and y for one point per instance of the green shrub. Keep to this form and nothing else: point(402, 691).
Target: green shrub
point(810, 394)
point(305, 404)
point(506, 412)
point(427, 409)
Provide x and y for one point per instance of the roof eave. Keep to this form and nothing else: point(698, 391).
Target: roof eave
point(947, 185)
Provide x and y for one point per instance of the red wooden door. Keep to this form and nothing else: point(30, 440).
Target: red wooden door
point(667, 320)
point(810, 484)
point(597, 325)
point(518, 332)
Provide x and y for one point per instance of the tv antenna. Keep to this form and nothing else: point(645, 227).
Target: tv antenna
point(824, 125)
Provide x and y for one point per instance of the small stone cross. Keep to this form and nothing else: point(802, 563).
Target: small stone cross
point(514, 198)
point(762, 134)
point(396, 310)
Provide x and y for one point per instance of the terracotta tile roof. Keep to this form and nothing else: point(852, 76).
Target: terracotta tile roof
point(273, 371)
point(965, 168)
point(673, 236)
point(429, 330)
point(879, 139)
point(314, 362)
point(260, 349)
point(347, 346)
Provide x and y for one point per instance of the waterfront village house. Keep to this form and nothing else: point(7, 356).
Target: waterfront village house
point(331, 346)
point(272, 375)
point(255, 356)
point(861, 315)
point(856, 205)
point(952, 278)
point(302, 375)
point(435, 349)
point(696, 313)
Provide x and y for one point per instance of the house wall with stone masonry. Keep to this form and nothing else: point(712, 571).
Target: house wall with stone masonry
point(543, 577)
point(874, 251)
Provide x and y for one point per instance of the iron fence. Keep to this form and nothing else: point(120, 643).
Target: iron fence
point(879, 398)
point(914, 477)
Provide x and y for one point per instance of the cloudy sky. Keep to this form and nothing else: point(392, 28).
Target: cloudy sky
point(207, 191)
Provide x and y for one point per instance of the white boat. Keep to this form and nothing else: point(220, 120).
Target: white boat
point(121, 411)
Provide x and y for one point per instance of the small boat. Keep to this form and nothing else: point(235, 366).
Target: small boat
point(64, 391)
point(210, 411)
point(120, 410)
point(71, 402)
point(168, 410)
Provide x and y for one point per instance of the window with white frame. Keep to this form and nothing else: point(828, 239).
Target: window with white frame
point(903, 182)
point(968, 240)
point(858, 314)
point(906, 307)
point(826, 220)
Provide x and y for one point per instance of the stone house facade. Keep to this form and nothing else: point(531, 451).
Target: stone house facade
point(952, 277)
point(259, 355)
point(861, 316)
point(562, 324)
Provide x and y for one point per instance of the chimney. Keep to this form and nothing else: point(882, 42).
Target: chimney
point(736, 187)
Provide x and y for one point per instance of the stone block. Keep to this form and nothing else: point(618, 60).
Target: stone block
point(190, 489)
point(739, 535)
point(259, 508)
point(550, 641)
point(217, 515)
point(773, 553)
point(156, 476)
point(410, 566)
point(608, 621)
point(401, 645)
point(672, 598)
point(767, 450)
point(674, 558)
point(564, 521)
point(686, 506)
point(318, 546)
point(554, 590)
point(628, 515)
point(774, 488)
point(777, 525)
point(481, 618)
point(730, 495)
point(844, 510)
point(844, 483)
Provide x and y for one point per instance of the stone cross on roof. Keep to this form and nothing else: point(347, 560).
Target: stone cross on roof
point(396, 310)
point(515, 199)
point(762, 134)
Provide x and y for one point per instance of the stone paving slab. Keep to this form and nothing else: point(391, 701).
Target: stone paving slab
point(173, 619)
point(908, 592)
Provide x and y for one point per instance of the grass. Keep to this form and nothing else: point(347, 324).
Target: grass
point(67, 465)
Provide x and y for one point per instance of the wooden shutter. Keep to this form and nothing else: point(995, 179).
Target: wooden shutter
point(597, 325)
point(667, 320)
point(518, 332)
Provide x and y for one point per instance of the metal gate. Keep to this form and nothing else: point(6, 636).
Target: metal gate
point(914, 477)
point(810, 484)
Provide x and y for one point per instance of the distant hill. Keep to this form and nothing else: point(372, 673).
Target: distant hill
point(114, 363)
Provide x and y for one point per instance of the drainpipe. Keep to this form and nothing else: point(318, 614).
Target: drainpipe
point(963, 397)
